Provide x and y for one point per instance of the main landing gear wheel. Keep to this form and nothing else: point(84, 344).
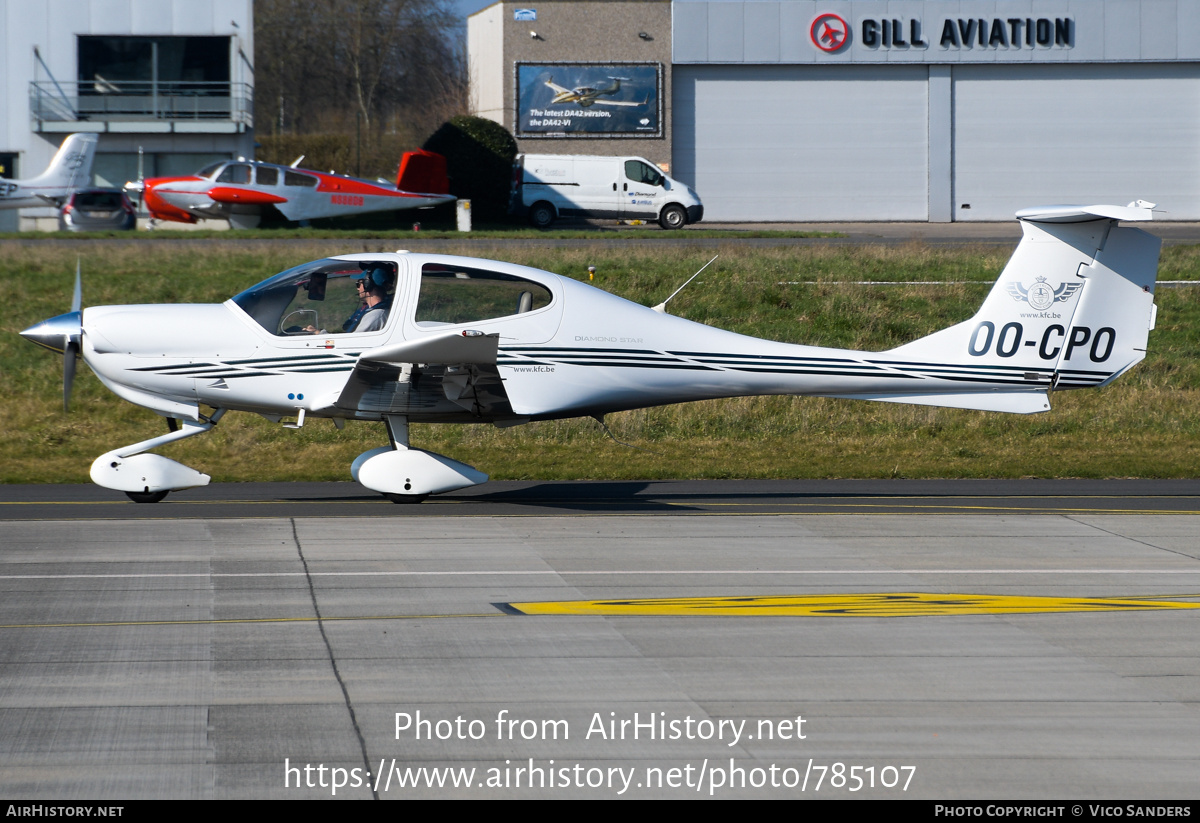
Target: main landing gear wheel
point(673, 217)
point(147, 497)
point(405, 498)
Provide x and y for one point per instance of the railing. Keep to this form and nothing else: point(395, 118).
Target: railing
point(142, 100)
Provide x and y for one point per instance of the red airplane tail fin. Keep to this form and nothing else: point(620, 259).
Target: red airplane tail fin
point(423, 171)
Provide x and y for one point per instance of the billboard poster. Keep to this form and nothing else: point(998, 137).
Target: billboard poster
point(589, 100)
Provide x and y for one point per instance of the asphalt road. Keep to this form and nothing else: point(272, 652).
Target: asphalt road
point(674, 497)
point(991, 640)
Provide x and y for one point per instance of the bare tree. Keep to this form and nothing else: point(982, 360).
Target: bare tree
point(322, 62)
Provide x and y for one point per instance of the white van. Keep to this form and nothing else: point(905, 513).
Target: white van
point(548, 186)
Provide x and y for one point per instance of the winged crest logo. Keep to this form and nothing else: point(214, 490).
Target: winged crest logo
point(1041, 295)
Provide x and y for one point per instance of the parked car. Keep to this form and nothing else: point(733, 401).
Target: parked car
point(97, 210)
point(548, 186)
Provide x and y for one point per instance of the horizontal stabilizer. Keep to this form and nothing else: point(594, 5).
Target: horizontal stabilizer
point(452, 348)
point(1023, 402)
point(1137, 210)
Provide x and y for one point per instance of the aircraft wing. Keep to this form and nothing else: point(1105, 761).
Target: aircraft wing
point(447, 373)
point(557, 88)
point(601, 102)
point(453, 348)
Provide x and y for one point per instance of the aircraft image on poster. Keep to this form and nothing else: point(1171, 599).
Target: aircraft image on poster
point(405, 337)
point(242, 191)
point(584, 96)
point(575, 99)
point(70, 170)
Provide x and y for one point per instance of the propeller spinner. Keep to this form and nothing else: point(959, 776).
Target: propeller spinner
point(63, 334)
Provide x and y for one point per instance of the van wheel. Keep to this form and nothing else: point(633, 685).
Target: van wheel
point(673, 217)
point(541, 215)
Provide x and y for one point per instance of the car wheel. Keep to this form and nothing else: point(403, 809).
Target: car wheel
point(673, 217)
point(541, 215)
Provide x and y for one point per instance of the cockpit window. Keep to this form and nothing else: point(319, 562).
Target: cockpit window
point(210, 169)
point(235, 173)
point(317, 298)
point(267, 175)
point(450, 294)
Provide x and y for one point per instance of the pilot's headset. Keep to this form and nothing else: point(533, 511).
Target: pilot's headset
point(377, 277)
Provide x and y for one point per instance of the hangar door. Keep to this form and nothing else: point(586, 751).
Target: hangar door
point(803, 142)
point(1038, 135)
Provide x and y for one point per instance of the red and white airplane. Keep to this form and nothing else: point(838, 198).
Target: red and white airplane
point(240, 191)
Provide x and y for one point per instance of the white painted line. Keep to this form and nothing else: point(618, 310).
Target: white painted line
point(615, 572)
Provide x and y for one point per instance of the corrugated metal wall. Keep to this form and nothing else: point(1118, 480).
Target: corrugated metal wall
point(1100, 133)
point(803, 142)
point(820, 143)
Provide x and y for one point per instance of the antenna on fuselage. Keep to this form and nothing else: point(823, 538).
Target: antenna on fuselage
point(296, 162)
point(661, 308)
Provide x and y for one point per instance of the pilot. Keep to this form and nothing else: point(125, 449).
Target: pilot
point(372, 288)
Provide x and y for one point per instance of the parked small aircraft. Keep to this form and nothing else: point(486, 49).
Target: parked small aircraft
point(586, 96)
point(240, 191)
point(70, 169)
point(457, 339)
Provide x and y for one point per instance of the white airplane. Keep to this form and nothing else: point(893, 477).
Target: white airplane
point(71, 169)
point(468, 340)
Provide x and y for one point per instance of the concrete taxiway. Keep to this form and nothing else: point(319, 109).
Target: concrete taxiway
point(239, 652)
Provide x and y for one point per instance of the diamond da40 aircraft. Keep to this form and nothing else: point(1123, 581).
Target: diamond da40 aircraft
point(420, 337)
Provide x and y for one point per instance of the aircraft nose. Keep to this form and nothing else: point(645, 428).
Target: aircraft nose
point(55, 333)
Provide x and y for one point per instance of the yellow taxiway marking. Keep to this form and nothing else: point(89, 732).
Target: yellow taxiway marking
point(888, 604)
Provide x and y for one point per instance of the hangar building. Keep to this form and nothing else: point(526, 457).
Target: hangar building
point(172, 79)
point(946, 110)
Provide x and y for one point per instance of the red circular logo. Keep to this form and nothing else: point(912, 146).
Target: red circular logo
point(829, 32)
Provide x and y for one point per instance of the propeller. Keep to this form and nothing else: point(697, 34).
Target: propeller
point(63, 334)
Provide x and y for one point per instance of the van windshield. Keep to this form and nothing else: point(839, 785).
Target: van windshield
point(640, 172)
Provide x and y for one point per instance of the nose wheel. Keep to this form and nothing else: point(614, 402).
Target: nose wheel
point(147, 497)
point(405, 498)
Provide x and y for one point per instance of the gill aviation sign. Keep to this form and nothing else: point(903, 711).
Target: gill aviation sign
point(830, 33)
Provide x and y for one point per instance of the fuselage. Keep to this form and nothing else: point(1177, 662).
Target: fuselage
point(573, 350)
point(15, 195)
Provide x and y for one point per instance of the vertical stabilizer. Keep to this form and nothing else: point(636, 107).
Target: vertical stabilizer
point(423, 171)
point(1072, 309)
point(70, 169)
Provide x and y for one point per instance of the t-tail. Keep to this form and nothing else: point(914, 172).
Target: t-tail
point(1072, 309)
